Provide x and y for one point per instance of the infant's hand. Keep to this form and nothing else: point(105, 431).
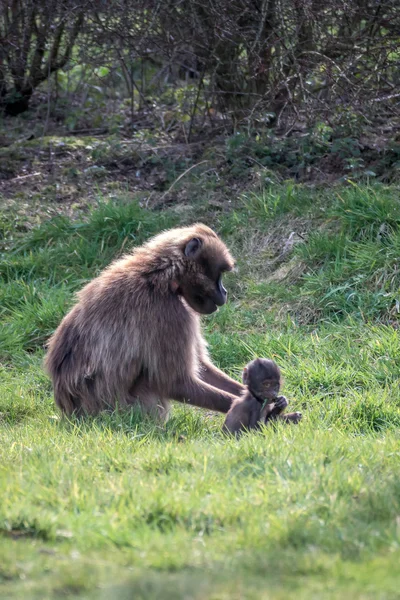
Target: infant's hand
point(281, 403)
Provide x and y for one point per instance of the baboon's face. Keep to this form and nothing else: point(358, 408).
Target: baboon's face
point(270, 389)
point(203, 289)
point(263, 378)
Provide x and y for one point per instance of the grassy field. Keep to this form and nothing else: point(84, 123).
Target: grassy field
point(116, 507)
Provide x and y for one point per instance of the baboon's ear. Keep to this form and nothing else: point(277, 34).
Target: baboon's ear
point(193, 247)
point(245, 375)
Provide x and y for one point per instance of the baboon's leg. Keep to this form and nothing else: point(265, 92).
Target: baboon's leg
point(240, 416)
point(234, 423)
point(142, 394)
point(294, 417)
point(215, 377)
point(204, 395)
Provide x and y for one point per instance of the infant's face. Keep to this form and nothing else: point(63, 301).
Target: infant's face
point(267, 389)
point(270, 389)
point(263, 378)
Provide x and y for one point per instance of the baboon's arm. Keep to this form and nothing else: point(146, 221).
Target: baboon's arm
point(202, 394)
point(276, 412)
point(215, 377)
point(273, 411)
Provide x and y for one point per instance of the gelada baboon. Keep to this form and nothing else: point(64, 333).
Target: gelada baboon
point(134, 335)
point(260, 402)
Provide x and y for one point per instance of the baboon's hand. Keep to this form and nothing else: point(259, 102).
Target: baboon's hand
point(281, 403)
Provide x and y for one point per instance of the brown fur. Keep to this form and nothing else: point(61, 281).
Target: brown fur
point(260, 402)
point(134, 335)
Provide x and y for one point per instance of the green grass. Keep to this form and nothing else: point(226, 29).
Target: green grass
point(118, 507)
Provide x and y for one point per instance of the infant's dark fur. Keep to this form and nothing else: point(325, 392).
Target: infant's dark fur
point(260, 403)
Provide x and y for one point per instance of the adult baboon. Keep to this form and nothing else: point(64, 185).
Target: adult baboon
point(260, 402)
point(134, 335)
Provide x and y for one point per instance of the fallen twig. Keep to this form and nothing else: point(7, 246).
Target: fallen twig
point(182, 175)
point(25, 176)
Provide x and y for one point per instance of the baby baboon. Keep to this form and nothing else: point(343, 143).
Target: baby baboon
point(260, 402)
point(134, 335)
